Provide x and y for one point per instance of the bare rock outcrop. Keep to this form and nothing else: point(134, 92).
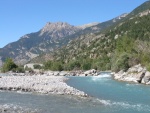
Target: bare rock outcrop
point(137, 74)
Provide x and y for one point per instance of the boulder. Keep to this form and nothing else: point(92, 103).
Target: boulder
point(120, 75)
point(139, 77)
point(90, 72)
point(56, 73)
point(133, 74)
point(50, 73)
point(82, 75)
point(136, 69)
point(146, 78)
point(63, 73)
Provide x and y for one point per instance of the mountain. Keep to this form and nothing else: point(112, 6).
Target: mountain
point(140, 9)
point(33, 44)
point(46, 40)
point(57, 30)
point(87, 29)
point(120, 45)
point(84, 37)
point(65, 42)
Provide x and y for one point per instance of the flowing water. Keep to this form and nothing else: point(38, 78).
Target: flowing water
point(107, 96)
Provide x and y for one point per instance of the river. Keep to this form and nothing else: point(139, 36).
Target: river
point(107, 96)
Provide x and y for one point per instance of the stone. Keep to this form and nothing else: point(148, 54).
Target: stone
point(90, 72)
point(63, 73)
point(39, 83)
point(139, 77)
point(56, 73)
point(146, 78)
point(133, 74)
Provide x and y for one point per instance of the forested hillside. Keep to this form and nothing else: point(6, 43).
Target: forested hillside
point(120, 46)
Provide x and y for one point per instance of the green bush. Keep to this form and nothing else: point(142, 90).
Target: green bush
point(37, 66)
point(74, 65)
point(18, 70)
point(8, 65)
point(57, 66)
point(48, 65)
point(86, 66)
point(121, 62)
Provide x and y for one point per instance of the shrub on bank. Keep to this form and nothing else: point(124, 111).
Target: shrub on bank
point(8, 65)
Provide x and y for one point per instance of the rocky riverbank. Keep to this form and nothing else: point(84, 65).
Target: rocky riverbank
point(39, 83)
point(91, 72)
point(136, 74)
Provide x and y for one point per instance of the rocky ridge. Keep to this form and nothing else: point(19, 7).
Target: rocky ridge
point(88, 25)
point(120, 17)
point(51, 36)
point(58, 29)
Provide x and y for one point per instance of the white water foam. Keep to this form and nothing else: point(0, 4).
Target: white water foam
point(10, 106)
point(99, 77)
point(125, 105)
point(16, 108)
point(132, 85)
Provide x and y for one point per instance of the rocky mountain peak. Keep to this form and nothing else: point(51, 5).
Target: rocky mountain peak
point(57, 26)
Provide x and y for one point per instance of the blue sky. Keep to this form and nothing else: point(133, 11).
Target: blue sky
point(19, 17)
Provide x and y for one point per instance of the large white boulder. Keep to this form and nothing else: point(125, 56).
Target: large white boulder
point(146, 78)
point(133, 74)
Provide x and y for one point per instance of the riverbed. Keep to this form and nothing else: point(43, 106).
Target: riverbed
point(107, 96)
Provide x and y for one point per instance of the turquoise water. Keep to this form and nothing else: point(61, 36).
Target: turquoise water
point(118, 97)
point(107, 96)
point(3, 74)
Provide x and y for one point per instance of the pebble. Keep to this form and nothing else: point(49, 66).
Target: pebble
point(39, 83)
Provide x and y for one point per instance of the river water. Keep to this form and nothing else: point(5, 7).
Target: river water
point(107, 96)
